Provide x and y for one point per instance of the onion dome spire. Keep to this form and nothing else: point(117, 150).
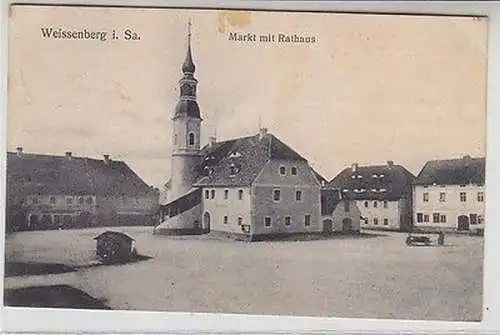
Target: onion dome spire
point(188, 66)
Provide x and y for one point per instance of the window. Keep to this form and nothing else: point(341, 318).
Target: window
point(282, 170)
point(442, 219)
point(175, 139)
point(240, 220)
point(267, 221)
point(277, 195)
point(233, 169)
point(288, 220)
point(480, 196)
point(386, 222)
point(442, 197)
point(294, 171)
point(191, 139)
point(80, 200)
point(307, 219)
point(298, 195)
point(240, 194)
point(207, 194)
point(375, 221)
point(426, 197)
point(386, 204)
point(226, 194)
point(366, 203)
point(480, 219)
point(375, 204)
point(435, 217)
point(366, 221)
point(346, 206)
point(420, 217)
point(212, 194)
point(225, 219)
point(90, 201)
point(473, 219)
point(463, 196)
point(69, 201)
point(426, 218)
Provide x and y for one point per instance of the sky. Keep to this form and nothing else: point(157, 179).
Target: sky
point(371, 88)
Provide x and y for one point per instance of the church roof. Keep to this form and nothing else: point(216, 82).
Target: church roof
point(237, 162)
point(376, 182)
point(29, 173)
point(188, 65)
point(463, 171)
point(187, 108)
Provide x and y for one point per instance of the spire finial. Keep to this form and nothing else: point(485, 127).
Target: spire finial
point(188, 66)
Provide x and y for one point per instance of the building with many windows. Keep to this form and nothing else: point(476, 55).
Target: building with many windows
point(250, 187)
point(450, 194)
point(54, 192)
point(381, 192)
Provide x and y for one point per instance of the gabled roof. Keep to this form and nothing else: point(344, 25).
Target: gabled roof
point(460, 171)
point(53, 175)
point(376, 182)
point(330, 198)
point(237, 162)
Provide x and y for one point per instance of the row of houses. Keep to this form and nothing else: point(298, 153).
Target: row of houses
point(251, 187)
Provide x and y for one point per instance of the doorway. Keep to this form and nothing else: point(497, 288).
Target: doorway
point(463, 222)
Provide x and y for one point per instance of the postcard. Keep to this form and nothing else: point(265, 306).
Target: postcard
point(246, 162)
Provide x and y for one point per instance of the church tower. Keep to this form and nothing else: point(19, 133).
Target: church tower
point(186, 130)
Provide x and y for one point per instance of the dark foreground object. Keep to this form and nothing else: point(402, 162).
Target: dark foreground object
point(115, 247)
point(58, 296)
point(35, 269)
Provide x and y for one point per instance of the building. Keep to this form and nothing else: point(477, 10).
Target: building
point(251, 187)
point(381, 192)
point(52, 192)
point(338, 214)
point(450, 194)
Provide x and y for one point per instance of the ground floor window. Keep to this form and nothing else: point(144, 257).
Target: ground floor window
point(426, 218)
point(288, 220)
point(386, 222)
point(442, 218)
point(307, 221)
point(225, 219)
point(480, 219)
point(375, 221)
point(267, 221)
point(420, 217)
point(435, 217)
point(473, 219)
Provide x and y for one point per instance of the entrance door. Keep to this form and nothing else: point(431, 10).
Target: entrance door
point(327, 226)
point(463, 222)
point(206, 222)
point(347, 225)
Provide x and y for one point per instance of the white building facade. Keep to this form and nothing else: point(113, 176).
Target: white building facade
point(450, 194)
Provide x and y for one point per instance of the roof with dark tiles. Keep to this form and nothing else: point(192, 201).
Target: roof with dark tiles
point(29, 173)
point(237, 162)
point(462, 171)
point(376, 182)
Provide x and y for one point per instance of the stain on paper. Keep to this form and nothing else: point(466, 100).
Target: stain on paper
point(231, 18)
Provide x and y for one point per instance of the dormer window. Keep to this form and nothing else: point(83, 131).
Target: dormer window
point(345, 190)
point(234, 154)
point(374, 176)
point(353, 177)
point(282, 170)
point(233, 169)
point(381, 176)
point(382, 190)
point(359, 176)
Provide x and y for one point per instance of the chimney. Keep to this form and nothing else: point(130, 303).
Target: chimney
point(354, 167)
point(211, 141)
point(19, 151)
point(68, 154)
point(262, 132)
point(106, 159)
point(390, 163)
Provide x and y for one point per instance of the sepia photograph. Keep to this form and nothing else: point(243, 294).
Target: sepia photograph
point(287, 163)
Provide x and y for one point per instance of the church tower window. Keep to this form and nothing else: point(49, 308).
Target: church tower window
point(191, 140)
